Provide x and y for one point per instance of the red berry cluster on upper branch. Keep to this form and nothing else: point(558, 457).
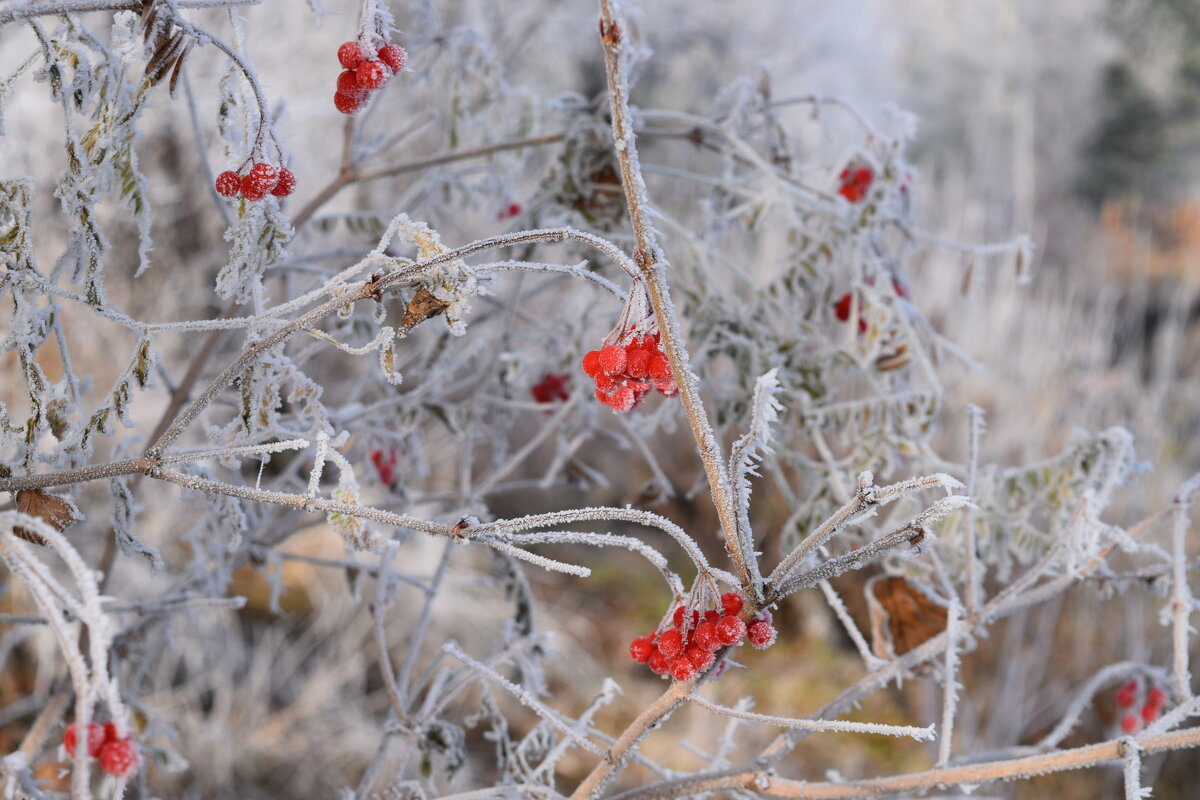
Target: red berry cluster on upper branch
point(118, 757)
point(625, 374)
point(364, 74)
point(855, 183)
point(684, 651)
point(262, 179)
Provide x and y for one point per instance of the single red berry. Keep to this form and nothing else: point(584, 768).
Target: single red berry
point(228, 184)
point(607, 384)
point(612, 359)
point(1126, 696)
point(658, 662)
point(667, 388)
point(682, 669)
point(640, 649)
point(700, 657)
point(95, 737)
point(394, 56)
point(1129, 723)
point(677, 617)
point(591, 363)
point(119, 759)
point(1157, 697)
point(705, 636)
point(761, 635)
point(899, 289)
point(637, 363)
point(622, 400)
point(252, 189)
point(660, 368)
point(371, 75)
point(347, 103)
point(110, 732)
point(671, 643)
point(286, 184)
point(712, 615)
point(265, 174)
point(841, 309)
point(731, 630)
point(350, 54)
point(731, 603)
point(347, 82)
point(1149, 713)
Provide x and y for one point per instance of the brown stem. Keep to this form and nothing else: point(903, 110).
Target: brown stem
point(649, 258)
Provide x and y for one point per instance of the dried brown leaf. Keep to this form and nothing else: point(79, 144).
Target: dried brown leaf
point(51, 509)
point(423, 306)
point(903, 616)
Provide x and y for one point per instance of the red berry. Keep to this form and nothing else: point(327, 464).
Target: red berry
point(1129, 723)
point(286, 184)
point(591, 363)
point(1149, 713)
point(761, 635)
point(701, 658)
point(637, 363)
point(394, 56)
point(731, 630)
point(682, 669)
point(95, 737)
point(347, 103)
point(667, 388)
point(110, 732)
point(640, 649)
point(705, 636)
point(119, 759)
point(622, 399)
point(899, 289)
point(659, 663)
point(731, 603)
point(612, 359)
point(677, 617)
point(1157, 697)
point(660, 368)
point(671, 643)
point(265, 174)
point(385, 466)
point(1126, 696)
point(371, 75)
point(347, 82)
point(228, 184)
point(252, 189)
point(350, 55)
point(552, 388)
point(841, 308)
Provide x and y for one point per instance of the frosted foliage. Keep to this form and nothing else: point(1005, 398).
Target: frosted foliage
point(323, 505)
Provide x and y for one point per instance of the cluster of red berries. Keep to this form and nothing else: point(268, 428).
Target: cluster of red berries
point(118, 757)
point(682, 653)
point(385, 465)
point(364, 74)
point(261, 180)
point(1127, 697)
point(552, 389)
point(855, 183)
point(624, 375)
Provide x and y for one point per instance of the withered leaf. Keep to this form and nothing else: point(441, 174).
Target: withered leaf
point(903, 616)
point(51, 509)
point(423, 306)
